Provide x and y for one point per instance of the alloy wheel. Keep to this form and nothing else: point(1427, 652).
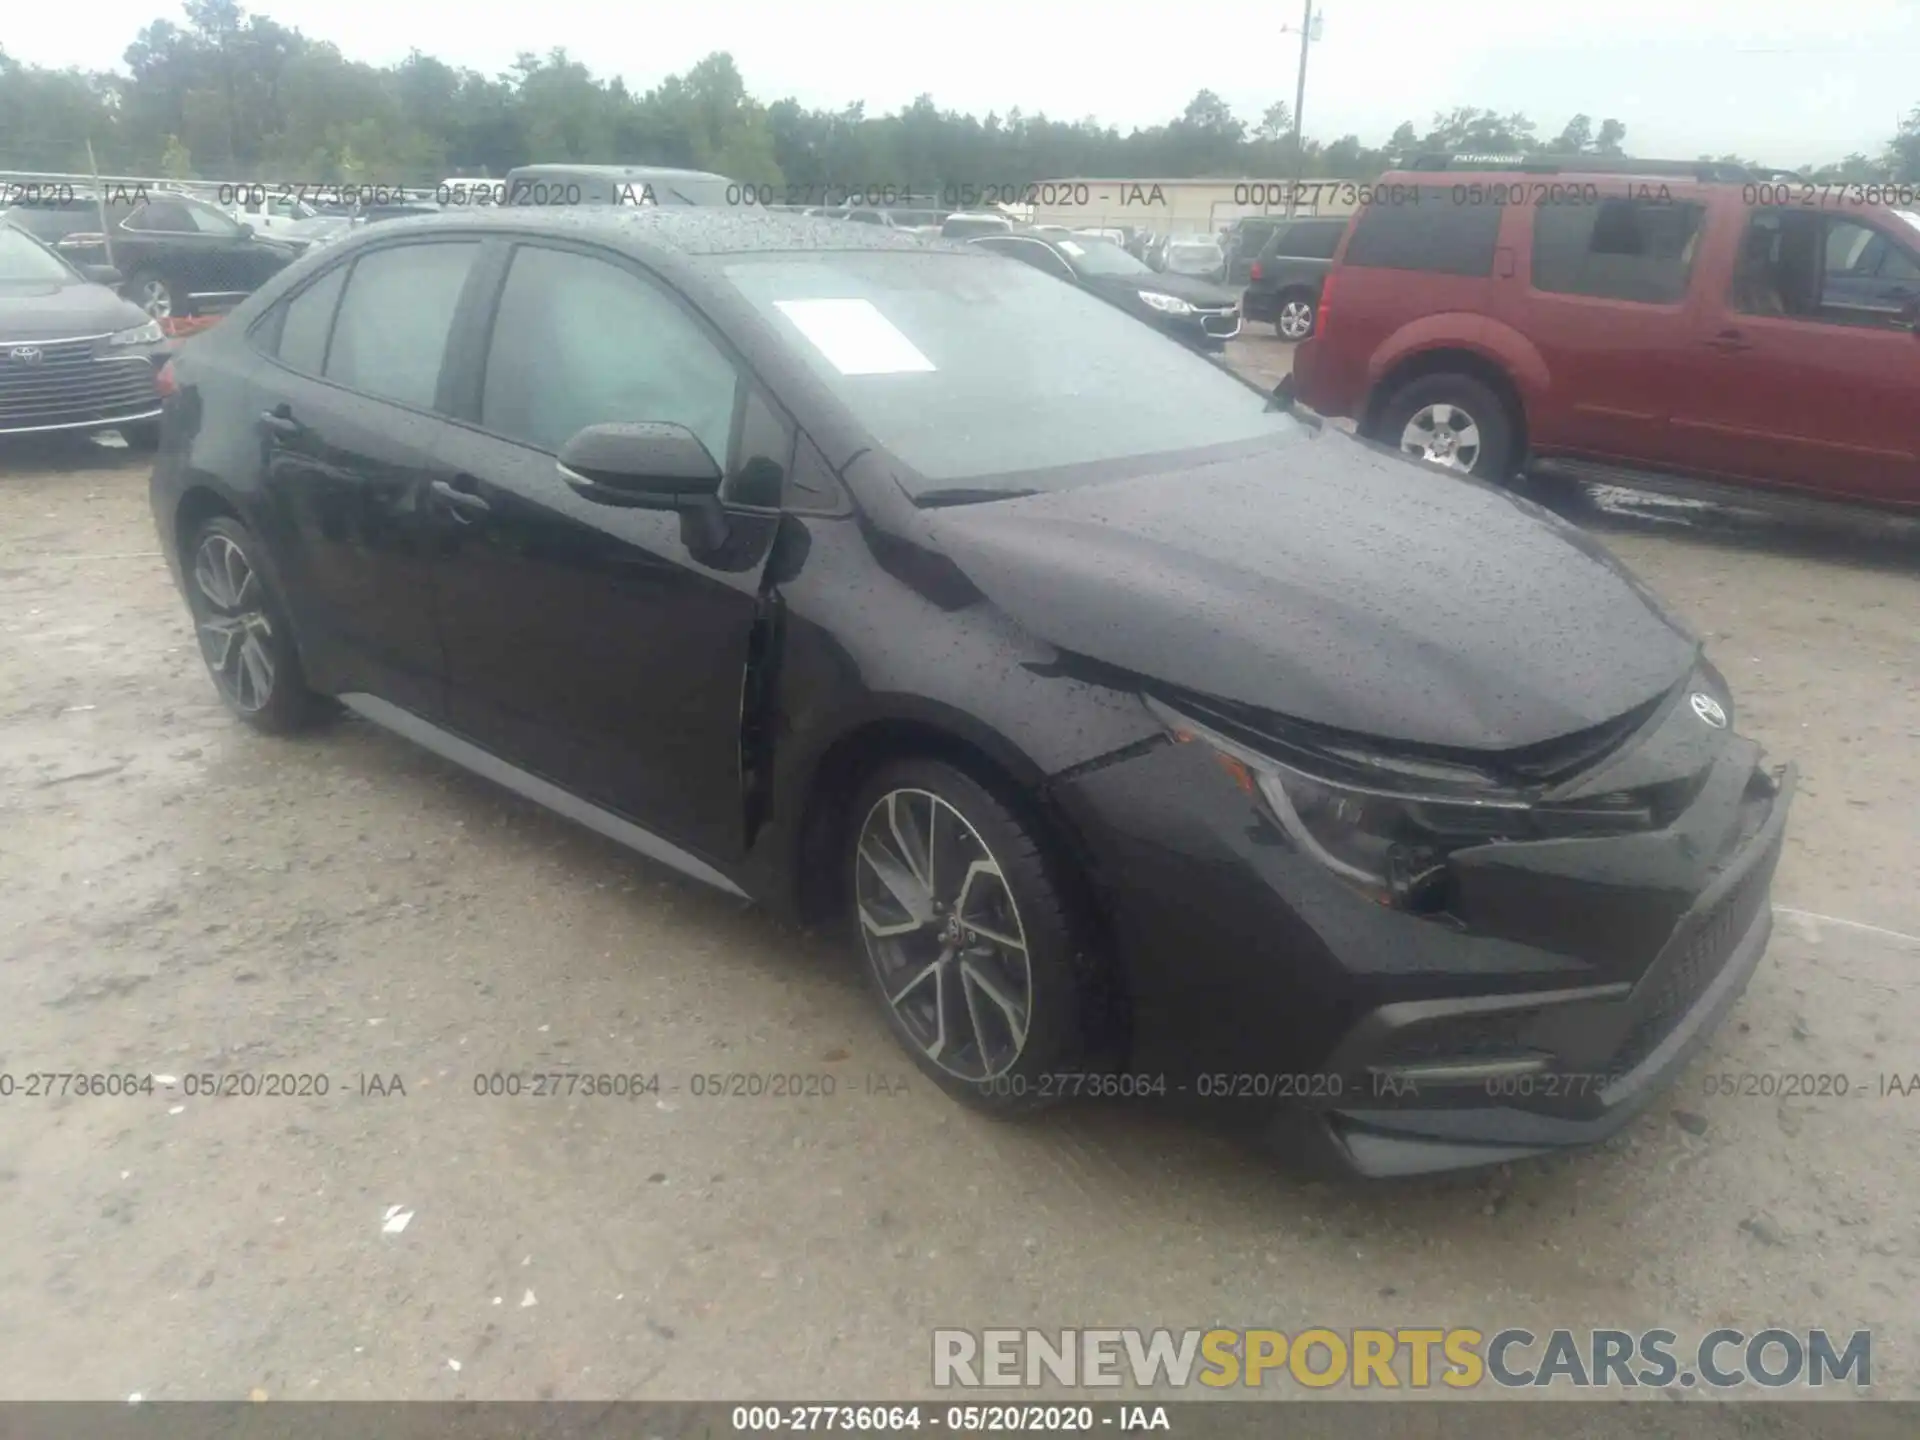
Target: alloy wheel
point(1296, 320)
point(236, 635)
point(155, 298)
point(1442, 434)
point(943, 934)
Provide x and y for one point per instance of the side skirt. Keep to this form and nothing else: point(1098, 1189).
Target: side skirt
point(469, 756)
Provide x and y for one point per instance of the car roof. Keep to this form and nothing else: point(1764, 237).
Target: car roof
point(648, 231)
point(616, 172)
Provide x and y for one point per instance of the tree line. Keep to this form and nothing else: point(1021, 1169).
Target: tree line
point(230, 95)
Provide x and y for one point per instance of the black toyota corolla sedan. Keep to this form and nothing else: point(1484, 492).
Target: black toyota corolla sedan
point(1147, 740)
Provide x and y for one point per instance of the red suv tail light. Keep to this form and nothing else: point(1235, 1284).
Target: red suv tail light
point(1253, 271)
point(165, 383)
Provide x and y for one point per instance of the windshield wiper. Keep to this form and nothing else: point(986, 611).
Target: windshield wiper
point(966, 495)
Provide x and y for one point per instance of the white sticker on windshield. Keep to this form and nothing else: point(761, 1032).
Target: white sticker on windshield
point(855, 337)
point(1072, 249)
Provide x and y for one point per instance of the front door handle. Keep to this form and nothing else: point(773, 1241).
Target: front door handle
point(1729, 341)
point(463, 503)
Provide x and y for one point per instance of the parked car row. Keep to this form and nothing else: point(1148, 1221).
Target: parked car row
point(1089, 689)
point(179, 255)
point(73, 354)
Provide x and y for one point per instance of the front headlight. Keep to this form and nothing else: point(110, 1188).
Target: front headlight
point(1391, 845)
point(1166, 304)
point(147, 334)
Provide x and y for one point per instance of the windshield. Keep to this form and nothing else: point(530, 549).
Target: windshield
point(1101, 257)
point(24, 261)
point(967, 370)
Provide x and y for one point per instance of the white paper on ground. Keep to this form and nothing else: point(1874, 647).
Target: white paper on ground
point(855, 337)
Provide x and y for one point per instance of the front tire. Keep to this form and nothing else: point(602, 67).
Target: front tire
point(969, 939)
point(242, 627)
point(1453, 421)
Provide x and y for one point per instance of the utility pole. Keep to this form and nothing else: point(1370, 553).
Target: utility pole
point(1299, 104)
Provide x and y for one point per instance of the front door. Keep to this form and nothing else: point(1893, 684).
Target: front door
point(1813, 360)
point(592, 644)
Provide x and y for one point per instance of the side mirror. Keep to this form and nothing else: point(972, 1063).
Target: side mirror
point(246, 231)
point(649, 467)
point(102, 274)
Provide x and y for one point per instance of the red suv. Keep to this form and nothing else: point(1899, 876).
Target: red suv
point(1653, 319)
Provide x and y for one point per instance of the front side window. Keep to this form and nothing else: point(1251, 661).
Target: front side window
point(209, 221)
point(391, 333)
point(579, 341)
point(1618, 249)
point(983, 376)
point(1828, 269)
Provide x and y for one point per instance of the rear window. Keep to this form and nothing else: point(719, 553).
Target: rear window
point(1426, 229)
point(1617, 249)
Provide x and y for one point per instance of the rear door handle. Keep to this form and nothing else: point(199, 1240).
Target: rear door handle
point(280, 423)
point(463, 503)
point(1730, 341)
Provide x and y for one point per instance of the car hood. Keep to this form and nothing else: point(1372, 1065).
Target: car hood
point(1336, 584)
point(1182, 287)
point(53, 310)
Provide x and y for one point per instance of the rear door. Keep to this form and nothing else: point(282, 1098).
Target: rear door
point(350, 416)
point(588, 643)
point(1606, 304)
point(1812, 367)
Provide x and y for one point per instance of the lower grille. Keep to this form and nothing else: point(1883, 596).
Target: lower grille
point(1706, 951)
point(61, 383)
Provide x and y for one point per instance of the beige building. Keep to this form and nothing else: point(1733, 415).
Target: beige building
point(1188, 206)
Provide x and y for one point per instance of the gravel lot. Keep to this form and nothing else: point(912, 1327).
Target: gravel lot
point(183, 896)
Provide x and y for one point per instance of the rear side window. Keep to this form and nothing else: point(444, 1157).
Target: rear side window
point(1309, 241)
point(1616, 249)
point(394, 320)
point(308, 319)
point(1426, 229)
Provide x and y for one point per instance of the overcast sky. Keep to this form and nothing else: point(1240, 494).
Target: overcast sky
point(1782, 81)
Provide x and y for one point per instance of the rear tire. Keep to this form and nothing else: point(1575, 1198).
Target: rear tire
point(155, 294)
point(1294, 319)
point(1452, 421)
point(968, 937)
point(241, 624)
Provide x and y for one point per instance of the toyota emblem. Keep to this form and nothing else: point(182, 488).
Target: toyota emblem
point(26, 355)
point(1708, 709)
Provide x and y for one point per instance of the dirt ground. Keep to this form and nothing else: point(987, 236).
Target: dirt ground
point(179, 896)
